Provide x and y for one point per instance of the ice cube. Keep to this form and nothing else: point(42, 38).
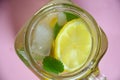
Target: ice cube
point(61, 18)
point(42, 40)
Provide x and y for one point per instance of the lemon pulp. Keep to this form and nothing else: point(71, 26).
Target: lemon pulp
point(73, 44)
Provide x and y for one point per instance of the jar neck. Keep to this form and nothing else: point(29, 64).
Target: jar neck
point(60, 1)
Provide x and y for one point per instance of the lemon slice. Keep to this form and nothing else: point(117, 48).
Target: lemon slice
point(73, 44)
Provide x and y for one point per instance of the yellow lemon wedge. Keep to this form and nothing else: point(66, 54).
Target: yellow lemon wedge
point(73, 44)
point(53, 21)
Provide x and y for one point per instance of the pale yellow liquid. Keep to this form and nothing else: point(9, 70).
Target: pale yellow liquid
point(72, 45)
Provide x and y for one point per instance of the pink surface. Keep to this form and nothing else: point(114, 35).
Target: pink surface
point(14, 13)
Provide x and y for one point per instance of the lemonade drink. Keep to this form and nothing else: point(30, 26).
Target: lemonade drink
point(62, 42)
point(63, 36)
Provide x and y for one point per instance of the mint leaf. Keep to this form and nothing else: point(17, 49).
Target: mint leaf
point(52, 65)
point(70, 16)
point(56, 30)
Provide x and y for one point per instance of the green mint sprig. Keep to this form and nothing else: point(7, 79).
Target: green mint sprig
point(56, 30)
point(52, 65)
point(70, 16)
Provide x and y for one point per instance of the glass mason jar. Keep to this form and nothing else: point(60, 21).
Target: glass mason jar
point(90, 70)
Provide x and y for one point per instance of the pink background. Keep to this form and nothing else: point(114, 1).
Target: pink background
point(14, 13)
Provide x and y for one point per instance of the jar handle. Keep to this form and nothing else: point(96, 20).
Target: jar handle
point(96, 75)
point(99, 77)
